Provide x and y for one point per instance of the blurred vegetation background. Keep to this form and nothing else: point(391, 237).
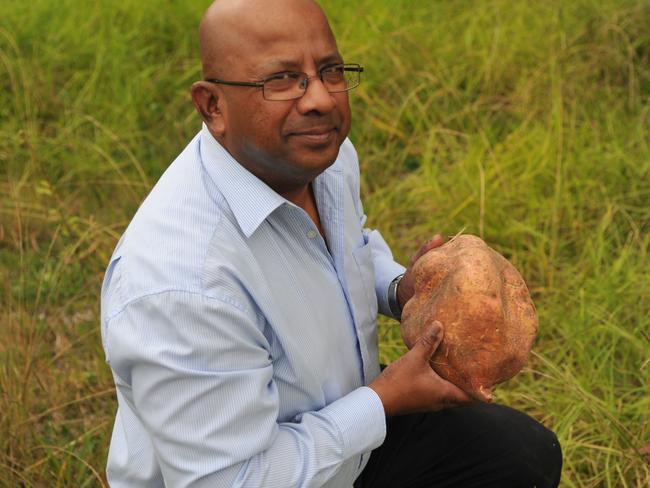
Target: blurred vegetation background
point(526, 123)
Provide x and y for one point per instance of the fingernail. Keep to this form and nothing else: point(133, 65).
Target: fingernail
point(435, 329)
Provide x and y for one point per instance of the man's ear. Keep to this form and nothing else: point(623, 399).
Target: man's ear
point(206, 101)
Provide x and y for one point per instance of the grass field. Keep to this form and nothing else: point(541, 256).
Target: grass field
point(524, 122)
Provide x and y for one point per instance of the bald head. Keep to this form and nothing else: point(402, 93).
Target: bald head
point(230, 28)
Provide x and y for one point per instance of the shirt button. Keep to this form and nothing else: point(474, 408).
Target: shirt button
point(311, 234)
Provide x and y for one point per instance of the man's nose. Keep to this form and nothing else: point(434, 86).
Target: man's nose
point(316, 97)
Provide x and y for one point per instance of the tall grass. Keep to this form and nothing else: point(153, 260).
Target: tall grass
point(523, 122)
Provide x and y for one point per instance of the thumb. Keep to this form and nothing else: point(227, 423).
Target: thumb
point(429, 340)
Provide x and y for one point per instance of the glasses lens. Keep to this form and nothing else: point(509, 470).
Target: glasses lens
point(341, 78)
point(334, 78)
point(284, 86)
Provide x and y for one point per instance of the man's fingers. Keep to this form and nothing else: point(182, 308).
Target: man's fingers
point(406, 287)
point(452, 396)
point(430, 340)
point(459, 397)
point(436, 241)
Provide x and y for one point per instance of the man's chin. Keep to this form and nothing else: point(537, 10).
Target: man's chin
point(319, 161)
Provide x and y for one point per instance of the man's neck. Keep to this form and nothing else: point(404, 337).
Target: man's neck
point(298, 196)
point(304, 198)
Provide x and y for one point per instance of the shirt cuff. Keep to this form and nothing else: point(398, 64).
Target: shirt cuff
point(360, 417)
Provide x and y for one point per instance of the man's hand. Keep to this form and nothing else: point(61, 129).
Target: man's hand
point(411, 385)
point(406, 287)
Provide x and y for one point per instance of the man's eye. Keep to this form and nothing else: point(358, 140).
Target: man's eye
point(288, 76)
point(333, 74)
point(337, 68)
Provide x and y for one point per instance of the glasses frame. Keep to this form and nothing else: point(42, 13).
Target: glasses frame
point(260, 83)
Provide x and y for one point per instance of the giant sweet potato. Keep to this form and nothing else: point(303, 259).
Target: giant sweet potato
point(483, 303)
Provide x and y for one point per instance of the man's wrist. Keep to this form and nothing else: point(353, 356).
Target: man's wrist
point(393, 302)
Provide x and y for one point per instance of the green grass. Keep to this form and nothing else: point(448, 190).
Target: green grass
point(526, 123)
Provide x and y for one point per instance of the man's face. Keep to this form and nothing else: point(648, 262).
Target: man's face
point(285, 143)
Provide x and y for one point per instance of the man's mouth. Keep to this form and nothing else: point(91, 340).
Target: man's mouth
point(319, 135)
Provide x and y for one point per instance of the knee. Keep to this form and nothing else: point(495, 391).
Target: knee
point(538, 458)
point(511, 447)
point(532, 452)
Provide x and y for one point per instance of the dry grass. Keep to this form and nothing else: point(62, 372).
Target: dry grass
point(523, 122)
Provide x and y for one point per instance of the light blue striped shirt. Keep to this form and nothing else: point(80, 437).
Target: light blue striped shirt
point(239, 339)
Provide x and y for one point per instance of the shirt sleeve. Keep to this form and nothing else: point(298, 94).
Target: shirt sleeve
point(197, 373)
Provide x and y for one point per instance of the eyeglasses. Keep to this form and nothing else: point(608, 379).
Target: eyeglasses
point(290, 85)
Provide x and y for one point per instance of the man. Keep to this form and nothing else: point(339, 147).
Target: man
point(238, 309)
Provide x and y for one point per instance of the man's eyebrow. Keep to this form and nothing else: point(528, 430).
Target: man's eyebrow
point(280, 65)
point(333, 58)
point(294, 65)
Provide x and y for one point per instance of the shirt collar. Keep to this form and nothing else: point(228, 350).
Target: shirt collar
point(249, 198)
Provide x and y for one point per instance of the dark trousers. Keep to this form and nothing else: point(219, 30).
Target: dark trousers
point(484, 445)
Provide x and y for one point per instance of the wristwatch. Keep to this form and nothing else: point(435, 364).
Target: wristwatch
point(393, 303)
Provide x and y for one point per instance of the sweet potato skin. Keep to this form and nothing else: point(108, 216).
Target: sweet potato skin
point(483, 303)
